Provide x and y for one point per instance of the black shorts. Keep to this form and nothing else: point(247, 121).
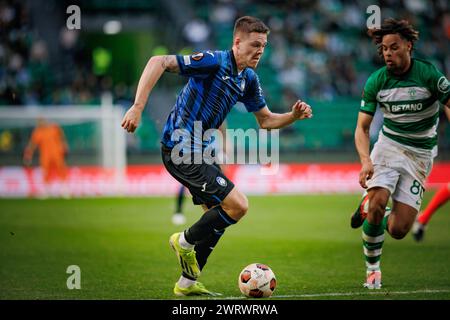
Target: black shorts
point(206, 182)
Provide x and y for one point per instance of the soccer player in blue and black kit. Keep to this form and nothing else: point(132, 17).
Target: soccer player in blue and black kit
point(217, 80)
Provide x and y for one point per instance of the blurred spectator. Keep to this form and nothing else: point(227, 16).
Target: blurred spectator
point(41, 85)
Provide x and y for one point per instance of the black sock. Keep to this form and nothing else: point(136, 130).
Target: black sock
point(204, 248)
point(212, 220)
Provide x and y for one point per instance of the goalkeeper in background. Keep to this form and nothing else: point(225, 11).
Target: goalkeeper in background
point(49, 138)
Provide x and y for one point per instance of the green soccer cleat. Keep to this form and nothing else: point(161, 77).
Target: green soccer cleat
point(197, 289)
point(186, 257)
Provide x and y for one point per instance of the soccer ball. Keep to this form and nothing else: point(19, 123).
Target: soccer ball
point(257, 281)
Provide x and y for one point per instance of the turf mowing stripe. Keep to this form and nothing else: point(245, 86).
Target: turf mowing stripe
point(343, 294)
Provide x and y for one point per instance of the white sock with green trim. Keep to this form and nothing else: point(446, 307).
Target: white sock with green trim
point(373, 266)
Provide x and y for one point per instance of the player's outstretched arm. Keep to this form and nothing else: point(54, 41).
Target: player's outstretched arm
point(269, 120)
point(362, 143)
point(152, 72)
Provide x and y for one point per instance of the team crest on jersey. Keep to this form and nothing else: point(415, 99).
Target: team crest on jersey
point(221, 181)
point(443, 85)
point(197, 56)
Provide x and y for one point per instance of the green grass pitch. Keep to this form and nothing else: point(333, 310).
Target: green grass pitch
point(121, 247)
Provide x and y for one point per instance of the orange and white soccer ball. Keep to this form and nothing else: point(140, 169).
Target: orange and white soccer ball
point(257, 280)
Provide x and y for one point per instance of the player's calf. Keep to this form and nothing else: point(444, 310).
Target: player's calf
point(376, 205)
point(397, 234)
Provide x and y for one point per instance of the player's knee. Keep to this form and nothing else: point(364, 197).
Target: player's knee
point(398, 232)
point(235, 205)
point(398, 235)
point(239, 207)
point(243, 206)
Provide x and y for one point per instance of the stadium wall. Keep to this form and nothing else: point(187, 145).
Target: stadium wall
point(153, 180)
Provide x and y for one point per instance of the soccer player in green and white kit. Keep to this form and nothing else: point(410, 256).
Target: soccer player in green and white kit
point(408, 91)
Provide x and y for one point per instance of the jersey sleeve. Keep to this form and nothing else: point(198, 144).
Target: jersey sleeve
point(253, 97)
point(200, 64)
point(440, 86)
point(369, 96)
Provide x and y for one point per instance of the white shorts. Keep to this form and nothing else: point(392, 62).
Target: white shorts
point(401, 171)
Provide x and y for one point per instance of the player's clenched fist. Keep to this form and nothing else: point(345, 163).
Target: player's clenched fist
point(301, 110)
point(131, 119)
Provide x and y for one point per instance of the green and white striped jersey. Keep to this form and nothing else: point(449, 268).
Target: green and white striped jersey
point(410, 103)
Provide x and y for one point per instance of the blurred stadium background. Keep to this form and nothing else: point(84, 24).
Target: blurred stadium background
point(318, 51)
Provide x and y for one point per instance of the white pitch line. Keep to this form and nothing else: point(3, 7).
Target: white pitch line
point(346, 294)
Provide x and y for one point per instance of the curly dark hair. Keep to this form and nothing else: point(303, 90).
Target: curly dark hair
point(393, 26)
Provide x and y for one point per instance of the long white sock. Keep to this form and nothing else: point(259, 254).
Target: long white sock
point(185, 282)
point(373, 266)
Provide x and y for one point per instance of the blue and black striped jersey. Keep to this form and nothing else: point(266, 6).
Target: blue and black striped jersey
point(213, 88)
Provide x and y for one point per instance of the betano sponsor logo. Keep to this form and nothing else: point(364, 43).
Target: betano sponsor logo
point(397, 108)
